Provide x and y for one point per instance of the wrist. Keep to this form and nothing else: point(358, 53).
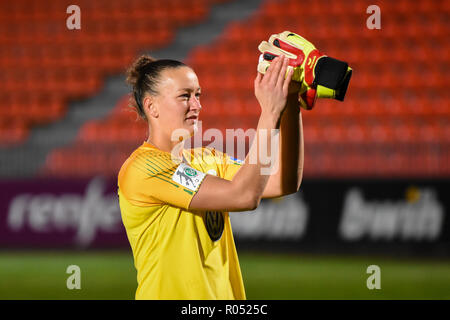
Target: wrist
point(271, 119)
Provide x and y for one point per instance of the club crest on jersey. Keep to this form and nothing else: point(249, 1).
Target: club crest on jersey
point(214, 224)
point(188, 177)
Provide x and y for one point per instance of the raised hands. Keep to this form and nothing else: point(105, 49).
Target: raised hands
point(271, 89)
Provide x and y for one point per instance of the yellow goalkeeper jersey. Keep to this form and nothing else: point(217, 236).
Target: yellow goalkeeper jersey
point(178, 253)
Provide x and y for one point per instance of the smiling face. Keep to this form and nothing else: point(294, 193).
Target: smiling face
point(177, 104)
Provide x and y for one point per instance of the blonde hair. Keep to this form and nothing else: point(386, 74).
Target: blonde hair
point(144, 75)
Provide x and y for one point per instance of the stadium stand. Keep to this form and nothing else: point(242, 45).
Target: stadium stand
point(44, 66)
point(394, 121)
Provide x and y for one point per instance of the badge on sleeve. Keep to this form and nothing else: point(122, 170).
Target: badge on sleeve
point(188, 177)
point(237, 161)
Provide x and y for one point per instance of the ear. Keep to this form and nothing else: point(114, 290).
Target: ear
point(150, 107)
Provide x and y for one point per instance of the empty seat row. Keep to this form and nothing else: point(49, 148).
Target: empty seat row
point(39, 56)
point(393, 122)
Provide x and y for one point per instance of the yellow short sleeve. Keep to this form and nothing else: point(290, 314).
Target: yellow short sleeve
point(150, 177)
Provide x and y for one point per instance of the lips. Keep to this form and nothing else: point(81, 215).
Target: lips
point(192, 118)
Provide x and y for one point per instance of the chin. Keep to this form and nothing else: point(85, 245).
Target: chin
point(192, 128)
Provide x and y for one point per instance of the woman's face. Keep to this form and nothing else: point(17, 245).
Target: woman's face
point(177, 103)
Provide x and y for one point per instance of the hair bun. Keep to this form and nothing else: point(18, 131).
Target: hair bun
point(136, 70)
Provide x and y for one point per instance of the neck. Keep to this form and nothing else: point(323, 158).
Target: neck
point(164, 143)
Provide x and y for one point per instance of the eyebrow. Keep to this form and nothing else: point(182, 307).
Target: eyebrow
point(189, 89)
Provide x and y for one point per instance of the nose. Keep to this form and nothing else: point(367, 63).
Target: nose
point(195, 104)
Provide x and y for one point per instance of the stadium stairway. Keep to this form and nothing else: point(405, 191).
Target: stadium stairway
point(25, 159)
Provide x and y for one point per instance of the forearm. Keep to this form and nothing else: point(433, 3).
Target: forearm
point(252, 178)
point(292, 148)
point(288, 176)
point(245, 190)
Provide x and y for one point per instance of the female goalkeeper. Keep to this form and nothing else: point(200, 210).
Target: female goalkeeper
point(175, 202)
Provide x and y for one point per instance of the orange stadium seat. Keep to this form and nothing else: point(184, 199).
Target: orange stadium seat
point(39, 55)
point(396, 105)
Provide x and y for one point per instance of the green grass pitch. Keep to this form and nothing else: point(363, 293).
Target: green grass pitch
point(111, 275)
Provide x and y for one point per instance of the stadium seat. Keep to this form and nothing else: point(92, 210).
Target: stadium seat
point(392, 110)
point(39, 55)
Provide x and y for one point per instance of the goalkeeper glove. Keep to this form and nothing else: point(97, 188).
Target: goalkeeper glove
point(320, 76)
